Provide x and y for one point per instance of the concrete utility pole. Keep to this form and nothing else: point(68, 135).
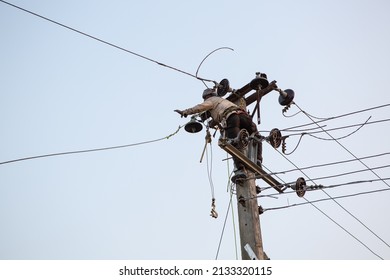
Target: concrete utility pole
point(248, 211)
point(244, 149)
point(248, 217)
point(248, 208)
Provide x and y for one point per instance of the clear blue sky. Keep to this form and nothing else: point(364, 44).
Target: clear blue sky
point(61, 91)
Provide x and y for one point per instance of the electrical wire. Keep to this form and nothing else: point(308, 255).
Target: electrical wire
point(338, 116)
point(107, 43)
point(91, 150)
point(352, 172)
point(342, 207)
point(210, 170)
point(331, 163)
point(197, 70)
point(340, 226)
point(224, 226)
point(341, 145)
point(325, 199)
point(339, 128)
point(342, 137)
point(342, 174)
point(230, 206)
point(316, 187)
point(230, 187)
point(311, 134)
point(370, 169)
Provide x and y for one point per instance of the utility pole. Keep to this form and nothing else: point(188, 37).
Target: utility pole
point(249, 220)
point(244, 149)
point(247, 191)
point(251, 240)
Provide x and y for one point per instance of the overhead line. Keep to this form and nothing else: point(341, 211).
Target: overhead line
point(330, 163)
point(338, 142)
point(372, 171)
point(352, 172)
point(341, 127)
point(337, 117)
point(342, 207)
point(91, 150)
point(326, 199)
point(105, 42)
point(320, 186)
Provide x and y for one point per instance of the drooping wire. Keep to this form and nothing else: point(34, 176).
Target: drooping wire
point(92, 150)
point(107, 43)
point(341, 145)
point(296, 146)
point(339, 116)
point(311, 134)
point(197, 70)
point(300, 131)
point(368, 168)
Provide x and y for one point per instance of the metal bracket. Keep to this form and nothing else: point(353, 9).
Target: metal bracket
point(233, 151)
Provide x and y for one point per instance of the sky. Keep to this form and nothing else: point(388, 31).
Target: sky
point(61, 91)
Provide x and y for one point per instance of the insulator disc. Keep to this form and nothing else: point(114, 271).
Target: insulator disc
point(300, 187)
point(275, 138)
point(223, 87)
point(242, 139)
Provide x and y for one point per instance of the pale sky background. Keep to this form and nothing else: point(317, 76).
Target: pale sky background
point(61, 91)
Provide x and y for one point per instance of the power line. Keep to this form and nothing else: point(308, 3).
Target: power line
point(326, 199)
point(337, 117)
point(311, 134)
point(342, 207)
point(92, 150)
point(316, 187)
point(352, 172)
point(106, 42)
point(344, 173)
point(370, 169)
point(338, 142)
point(360, 125)
point(331, 163)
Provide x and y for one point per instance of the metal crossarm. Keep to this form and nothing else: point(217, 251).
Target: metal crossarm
point(233, 151)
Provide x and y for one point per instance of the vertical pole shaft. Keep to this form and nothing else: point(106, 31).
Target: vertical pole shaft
point(248, 215)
